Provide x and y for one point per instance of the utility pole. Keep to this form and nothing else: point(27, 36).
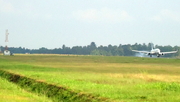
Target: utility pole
point(6, 39)
point(6, 51)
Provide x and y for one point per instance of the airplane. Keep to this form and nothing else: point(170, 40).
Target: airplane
point(155, 51)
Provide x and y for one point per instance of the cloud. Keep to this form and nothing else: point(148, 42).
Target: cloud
point(102, 15)
point(6, 7)
point(165, 15)
point(25, 10)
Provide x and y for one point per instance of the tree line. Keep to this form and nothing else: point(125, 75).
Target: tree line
point(92, 49)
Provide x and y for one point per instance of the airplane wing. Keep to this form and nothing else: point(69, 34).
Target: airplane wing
point(141, 51)
point(169, 52)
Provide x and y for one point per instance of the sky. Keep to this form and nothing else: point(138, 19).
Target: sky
point(51, 23)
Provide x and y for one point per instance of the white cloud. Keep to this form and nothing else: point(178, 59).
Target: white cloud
point(90, 14)
point(26, 10)
point(6, 7)
point(102, 15)
point(165, 15)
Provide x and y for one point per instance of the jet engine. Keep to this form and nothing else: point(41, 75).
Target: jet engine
point(162, 54)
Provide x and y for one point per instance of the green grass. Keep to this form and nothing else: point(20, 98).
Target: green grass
point(130, 79)
point(10, 92)
point(54, 92)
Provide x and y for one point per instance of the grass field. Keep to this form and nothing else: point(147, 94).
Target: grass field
point(126, 79)
point(12, 93)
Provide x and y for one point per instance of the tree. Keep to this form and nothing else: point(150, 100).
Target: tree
point(43, 50)
point(76, 50)
point(127, 50)
point(93, 46)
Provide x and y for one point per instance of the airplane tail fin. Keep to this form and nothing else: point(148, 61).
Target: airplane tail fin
point(152, 46)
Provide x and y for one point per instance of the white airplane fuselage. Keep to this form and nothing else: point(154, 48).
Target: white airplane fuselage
point(156, 52)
